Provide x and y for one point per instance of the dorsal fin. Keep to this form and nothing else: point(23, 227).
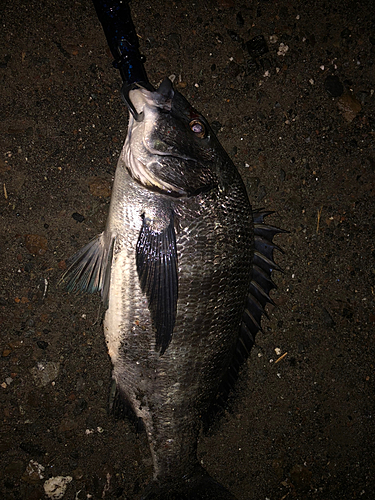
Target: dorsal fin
point(257, 299)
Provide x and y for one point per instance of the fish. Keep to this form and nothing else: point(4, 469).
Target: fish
point(184, 270)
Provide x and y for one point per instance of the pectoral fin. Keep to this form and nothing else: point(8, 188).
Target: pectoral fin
point(89, 270)
point(157, 272)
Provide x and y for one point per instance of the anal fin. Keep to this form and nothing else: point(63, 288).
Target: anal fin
point(120, 408)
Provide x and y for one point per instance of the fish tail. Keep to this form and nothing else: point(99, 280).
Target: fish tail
point(197, 486)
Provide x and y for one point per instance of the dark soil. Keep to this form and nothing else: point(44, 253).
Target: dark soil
point(300, 127)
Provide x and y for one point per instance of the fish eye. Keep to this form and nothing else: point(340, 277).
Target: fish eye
point(198, 128)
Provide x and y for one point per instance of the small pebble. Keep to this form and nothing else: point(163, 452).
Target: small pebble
point(100, 188)
point(257, 46)
point(349, 106)
point(55, 487)
point(333, 86)
point(36, 244)
point(283, 49)
point(33, 473)
point(78, 217)
point(45, 372)
point(42, 344)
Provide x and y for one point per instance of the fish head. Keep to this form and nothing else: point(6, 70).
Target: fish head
point(170, 147)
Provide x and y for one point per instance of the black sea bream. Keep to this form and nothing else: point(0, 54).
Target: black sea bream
point(184, 270)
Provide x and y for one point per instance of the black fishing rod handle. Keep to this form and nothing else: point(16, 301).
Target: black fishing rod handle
point(115, 17)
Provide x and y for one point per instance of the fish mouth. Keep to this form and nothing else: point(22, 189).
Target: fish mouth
point(125, 91)
point(164, 93)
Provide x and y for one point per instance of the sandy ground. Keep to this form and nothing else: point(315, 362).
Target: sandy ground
point(298, 121)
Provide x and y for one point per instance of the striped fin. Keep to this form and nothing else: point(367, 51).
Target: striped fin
point(89, 270)
point(260, 286)
point(156, 257)
point(120, 408)
point(257, 299)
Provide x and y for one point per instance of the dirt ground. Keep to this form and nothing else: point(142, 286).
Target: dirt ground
point(295, 109)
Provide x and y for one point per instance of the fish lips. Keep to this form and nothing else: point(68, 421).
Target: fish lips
point(162, 97)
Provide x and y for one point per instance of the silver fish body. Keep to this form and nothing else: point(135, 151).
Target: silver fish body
point(175, 266)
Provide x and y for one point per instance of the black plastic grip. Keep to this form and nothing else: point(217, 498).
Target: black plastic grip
point(115, 17)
